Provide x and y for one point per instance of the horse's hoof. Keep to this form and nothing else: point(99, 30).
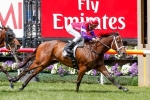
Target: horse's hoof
point(20, 89)
point(14, 79)
point(125, 89)
point(12, 86)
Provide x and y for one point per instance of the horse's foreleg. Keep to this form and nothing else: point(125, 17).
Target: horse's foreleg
point(16, 78)
point(5, 72)
point(8, 76)
point(33, 74)
point(105, 72)
point(23, 72)
point(81, 73)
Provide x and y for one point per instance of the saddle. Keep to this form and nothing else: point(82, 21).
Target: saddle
point(72, 56)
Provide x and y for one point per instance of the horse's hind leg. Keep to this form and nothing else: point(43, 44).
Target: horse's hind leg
point(33, 74)
point(105, 72)
point(8, 76)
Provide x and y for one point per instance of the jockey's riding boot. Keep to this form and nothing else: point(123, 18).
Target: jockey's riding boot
point(68, 48)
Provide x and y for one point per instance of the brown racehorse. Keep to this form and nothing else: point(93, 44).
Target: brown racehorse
point(7, 36)
point(8, 40)
point(91, 56)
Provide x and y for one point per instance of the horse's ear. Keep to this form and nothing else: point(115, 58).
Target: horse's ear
point(1, 23)
point(4, 27)
point(7, 26)
point(1, 26)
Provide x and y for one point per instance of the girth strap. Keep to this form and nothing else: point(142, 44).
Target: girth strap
point(74, 61)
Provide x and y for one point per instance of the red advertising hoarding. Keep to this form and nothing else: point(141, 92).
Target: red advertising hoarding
point(113, 15)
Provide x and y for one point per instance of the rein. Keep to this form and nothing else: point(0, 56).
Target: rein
point(14, 54)
point(94, 51)
point(114, 41)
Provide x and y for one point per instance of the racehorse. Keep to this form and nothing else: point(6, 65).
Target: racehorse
point(91, 56)
point(8, 40)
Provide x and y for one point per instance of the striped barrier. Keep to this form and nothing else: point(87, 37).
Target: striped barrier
point(20, 50)
point(139, 52)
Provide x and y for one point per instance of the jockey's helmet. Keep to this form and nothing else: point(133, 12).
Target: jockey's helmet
point(94, 22)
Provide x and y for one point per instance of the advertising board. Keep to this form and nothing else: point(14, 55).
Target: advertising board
point(11, 14)
point(113, 15)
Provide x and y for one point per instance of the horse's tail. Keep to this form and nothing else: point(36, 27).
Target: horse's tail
point(28, 59)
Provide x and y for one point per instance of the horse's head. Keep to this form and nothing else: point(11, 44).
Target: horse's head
point(117, 45)
point(114, 41)
point(10, 39)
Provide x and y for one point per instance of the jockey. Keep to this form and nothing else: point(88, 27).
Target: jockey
point(79, 30)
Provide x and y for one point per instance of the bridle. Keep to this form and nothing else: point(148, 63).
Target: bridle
point(9, 41)
point(10, 44)
point(114, 41)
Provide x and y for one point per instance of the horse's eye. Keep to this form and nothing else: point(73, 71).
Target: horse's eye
point(118, 42)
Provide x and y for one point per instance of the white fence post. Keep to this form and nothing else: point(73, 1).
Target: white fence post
point(102, 79)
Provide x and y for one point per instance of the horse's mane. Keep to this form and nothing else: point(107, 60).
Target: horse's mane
point(108, 34)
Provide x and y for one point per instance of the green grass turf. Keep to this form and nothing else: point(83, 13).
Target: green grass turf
point(66, 91)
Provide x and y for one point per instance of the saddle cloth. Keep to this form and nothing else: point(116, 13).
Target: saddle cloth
point(80, 44)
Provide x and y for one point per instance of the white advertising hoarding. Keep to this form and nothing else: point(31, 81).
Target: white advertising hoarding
point(11, 14)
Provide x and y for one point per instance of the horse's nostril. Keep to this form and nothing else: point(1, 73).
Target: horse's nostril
point(124, 54)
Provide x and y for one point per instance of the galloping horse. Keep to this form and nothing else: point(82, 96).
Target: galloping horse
point(91, 56)
point(8, 40)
